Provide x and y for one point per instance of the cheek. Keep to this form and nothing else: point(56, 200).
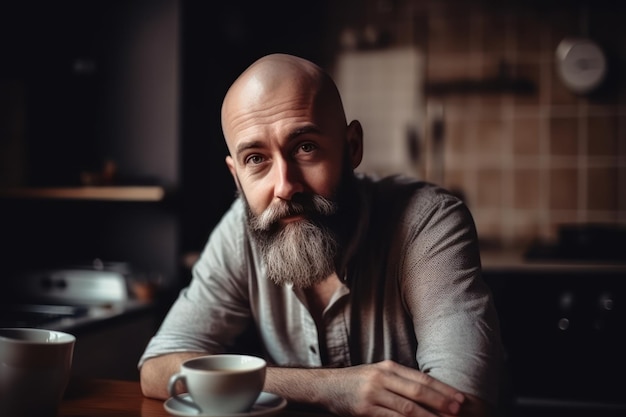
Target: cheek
point(324, 179)
point(258, 196)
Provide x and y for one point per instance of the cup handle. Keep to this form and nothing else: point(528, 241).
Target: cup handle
point(171, 387)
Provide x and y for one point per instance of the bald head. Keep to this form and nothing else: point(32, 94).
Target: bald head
point(276, 84)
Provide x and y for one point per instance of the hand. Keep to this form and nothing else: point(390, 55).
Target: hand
point(387, 389)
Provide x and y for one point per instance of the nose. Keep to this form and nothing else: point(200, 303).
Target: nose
point(287, 180)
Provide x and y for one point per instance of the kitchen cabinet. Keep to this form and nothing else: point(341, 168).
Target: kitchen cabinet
point(96, 82)
point(562, 326)
point(94, 149)
point(112, 348)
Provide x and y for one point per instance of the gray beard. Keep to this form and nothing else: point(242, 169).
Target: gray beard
point(301, 253)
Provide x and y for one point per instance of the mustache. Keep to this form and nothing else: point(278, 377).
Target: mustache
point(314, 206)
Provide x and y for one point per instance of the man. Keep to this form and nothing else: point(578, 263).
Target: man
point(365, 295)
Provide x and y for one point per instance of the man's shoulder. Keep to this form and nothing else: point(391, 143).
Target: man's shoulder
point(232, 224)
point(235, 211)
point(410, 202)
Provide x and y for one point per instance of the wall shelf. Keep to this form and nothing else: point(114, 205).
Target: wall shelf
point(109, 193)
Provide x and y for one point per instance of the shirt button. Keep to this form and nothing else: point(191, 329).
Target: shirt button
point(312, 349)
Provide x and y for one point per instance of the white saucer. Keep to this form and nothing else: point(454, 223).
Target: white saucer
point(266, 405)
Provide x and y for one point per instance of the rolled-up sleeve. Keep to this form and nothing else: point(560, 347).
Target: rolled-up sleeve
point(214, 309)
point(454, 318)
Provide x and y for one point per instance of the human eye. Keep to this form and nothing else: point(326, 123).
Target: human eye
point(254, 159)
point(305, 148)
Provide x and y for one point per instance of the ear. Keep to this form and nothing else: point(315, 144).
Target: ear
point(354, 137)
point(231, 167)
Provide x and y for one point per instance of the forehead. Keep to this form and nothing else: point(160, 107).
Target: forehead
point(260, 114)
point(277, 96)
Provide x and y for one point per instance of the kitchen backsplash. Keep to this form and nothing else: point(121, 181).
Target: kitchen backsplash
point(527, 154)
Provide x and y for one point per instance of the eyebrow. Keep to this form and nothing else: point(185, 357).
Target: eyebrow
point(255, 144)
point(304, 130)
point(248, 145)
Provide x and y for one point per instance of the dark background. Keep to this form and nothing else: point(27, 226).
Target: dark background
point(219, 41)
point(68, 106)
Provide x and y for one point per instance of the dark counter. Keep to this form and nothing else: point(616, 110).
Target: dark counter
point(562, 326)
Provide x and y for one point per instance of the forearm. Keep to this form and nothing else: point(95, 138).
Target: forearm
point(156, 372)
point(362, 390)
point(343, 391)
point(298, 385)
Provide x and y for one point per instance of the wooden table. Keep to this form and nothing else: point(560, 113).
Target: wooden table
point(112, 398)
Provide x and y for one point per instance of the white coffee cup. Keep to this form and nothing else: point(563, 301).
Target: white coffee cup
point(35, 368)
point(220, 384)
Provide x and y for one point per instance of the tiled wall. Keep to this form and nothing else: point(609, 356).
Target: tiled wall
point(526, 160)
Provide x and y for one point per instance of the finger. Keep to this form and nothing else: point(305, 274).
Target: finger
point(425, 379)
point(396, 405)
point(422, 378)
point(424, 395)
point(418, 387)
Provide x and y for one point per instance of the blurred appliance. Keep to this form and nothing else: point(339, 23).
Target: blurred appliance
point(383, 89)
point(65, 299)
point(94, 303)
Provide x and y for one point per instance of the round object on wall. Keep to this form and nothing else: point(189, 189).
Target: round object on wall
point(581, 64)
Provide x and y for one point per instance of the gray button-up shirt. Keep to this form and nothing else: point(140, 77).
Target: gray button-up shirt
point(412, 292)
